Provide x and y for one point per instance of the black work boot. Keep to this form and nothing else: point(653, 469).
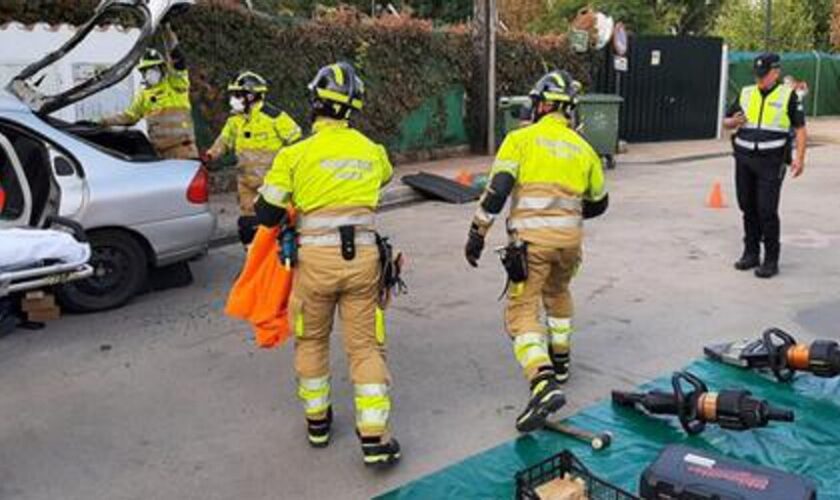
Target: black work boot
point(379, 454)
point(546, 398)
point(318, 430)
point(747, 261)
point(768, 269)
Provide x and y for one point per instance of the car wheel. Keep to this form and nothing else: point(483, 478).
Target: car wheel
point(120, 272)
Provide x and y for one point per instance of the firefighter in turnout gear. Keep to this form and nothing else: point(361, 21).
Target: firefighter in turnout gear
point(555, 180)
point(255, 132)
point(164, 103)
point(333, 179)
point(771, 134)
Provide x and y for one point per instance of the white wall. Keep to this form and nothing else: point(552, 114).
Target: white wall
point(22, 45)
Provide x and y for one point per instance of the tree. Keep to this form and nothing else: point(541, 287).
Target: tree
point(741, 24)
point(835, 26)
point(821, 14)
point(681, 17)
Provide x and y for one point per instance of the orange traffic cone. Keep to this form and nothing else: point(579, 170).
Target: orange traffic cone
point(464, 178)
point(715, 199)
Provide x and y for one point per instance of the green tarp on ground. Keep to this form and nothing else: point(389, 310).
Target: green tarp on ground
point(820, 69)
point(810, 446)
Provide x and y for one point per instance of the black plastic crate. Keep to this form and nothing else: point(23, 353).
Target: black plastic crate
point(528, 480)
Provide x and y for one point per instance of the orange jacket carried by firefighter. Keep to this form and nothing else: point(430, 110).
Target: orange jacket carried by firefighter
point(261, 293)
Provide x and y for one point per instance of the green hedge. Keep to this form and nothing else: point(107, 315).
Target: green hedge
point(405, 62)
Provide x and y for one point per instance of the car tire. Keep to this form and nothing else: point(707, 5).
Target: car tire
point(120, 272)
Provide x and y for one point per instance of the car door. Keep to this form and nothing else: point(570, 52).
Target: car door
point(15, 195)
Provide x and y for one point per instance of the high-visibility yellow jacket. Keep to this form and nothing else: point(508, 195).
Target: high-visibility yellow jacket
point(335, 174)
point(167, 110)
point(554, 169)
point(256, 138)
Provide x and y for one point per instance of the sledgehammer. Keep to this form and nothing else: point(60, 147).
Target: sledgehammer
point(598, 441)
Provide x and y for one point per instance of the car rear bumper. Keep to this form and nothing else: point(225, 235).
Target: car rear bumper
point(174, 240)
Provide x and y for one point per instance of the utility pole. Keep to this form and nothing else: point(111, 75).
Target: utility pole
point(768, 26)
point(485, 22)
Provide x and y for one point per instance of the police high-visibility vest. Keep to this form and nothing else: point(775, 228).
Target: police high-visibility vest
point(555, 170)
point(333, 179)
point(256, 138)
point(167, 110)
point(768, 125)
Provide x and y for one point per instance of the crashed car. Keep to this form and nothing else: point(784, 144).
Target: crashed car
point(139, 212)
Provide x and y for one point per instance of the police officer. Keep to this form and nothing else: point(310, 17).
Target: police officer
point(555, 180)
point(164, 103)
point(333, 179)
point(255, 131)
point(769, 118)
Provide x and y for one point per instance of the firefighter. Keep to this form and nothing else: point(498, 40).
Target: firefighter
point(333, 180)
point(770, 122)
point(164, 102)
point(255, 131)
point(555, 180)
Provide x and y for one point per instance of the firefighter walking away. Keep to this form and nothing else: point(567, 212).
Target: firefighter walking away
point(555, 180)
point(333, 179)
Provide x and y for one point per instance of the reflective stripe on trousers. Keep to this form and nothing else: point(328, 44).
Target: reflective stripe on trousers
point(560, 333)
point(373, 406)
point(552, 222)
point(315, 395)
point(531, 350)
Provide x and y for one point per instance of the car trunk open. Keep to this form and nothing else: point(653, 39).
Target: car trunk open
point(148, 14)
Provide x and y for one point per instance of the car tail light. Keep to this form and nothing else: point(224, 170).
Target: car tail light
point(199, 190)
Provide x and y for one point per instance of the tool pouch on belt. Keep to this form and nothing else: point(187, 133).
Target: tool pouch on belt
point(390, 271)
point(348, 242)
point(288, 246)
point(515, 261)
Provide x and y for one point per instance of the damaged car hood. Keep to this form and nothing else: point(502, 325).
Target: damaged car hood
point(151, 15)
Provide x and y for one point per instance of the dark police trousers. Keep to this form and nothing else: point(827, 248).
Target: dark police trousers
point(759, 184)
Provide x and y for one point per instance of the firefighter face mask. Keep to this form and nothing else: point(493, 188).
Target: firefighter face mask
point(152, 77)
point(237, 104)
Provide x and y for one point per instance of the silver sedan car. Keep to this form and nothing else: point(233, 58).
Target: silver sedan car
point(139, 212)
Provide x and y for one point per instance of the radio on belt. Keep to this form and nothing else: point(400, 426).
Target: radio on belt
point(683, 473)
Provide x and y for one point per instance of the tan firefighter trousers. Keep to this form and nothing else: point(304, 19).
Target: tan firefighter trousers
point(549, 272)
point(324, 281)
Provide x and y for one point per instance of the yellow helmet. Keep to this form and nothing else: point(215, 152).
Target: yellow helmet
point(337, 90)
point(248, 81)
point(151, 59)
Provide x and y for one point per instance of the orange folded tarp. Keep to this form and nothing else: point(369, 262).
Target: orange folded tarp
point(261, 293)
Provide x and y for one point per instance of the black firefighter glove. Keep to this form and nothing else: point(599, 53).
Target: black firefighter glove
point(475, 245)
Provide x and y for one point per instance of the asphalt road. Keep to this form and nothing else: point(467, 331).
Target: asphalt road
point(167, 399)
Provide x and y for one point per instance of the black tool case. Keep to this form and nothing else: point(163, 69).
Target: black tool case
point(683, 473)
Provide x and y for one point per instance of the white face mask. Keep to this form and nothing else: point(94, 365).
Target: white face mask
point(152, 77)
point(237, 104)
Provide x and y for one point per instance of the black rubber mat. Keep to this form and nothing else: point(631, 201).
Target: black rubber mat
point(437, 187)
